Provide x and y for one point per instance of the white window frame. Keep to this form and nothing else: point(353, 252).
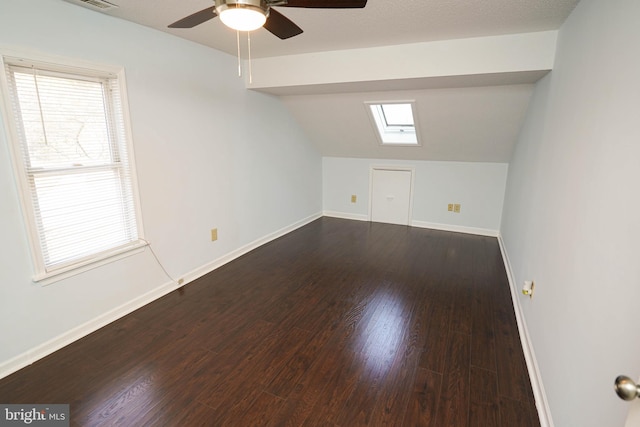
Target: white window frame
point(393, 136)
point(42, 275)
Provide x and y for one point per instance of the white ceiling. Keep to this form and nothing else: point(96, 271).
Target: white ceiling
point(455, 124)
point(475, 120)
point(380, 23)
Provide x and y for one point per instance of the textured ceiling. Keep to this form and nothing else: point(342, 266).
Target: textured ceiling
point(380, 23)
point(457, 124)
point(477, 120)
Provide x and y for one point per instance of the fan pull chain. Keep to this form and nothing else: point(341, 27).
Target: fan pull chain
point(249, 46)
point(239, 59)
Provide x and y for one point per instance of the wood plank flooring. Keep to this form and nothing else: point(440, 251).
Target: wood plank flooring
point(340, 323)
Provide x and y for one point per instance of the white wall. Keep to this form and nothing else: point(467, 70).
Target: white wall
point(209, 154)
point(478, 187)
point(390, 67)
point(570, 219)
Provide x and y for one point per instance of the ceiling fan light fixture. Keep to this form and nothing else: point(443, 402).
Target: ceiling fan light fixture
point(242, 15)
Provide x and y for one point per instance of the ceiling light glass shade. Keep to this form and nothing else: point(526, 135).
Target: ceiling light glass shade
point(242, 17)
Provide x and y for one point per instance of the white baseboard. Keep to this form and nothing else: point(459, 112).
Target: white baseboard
point(456, 228)
point(420, 224)
point(209, 267)
point(345, 215)
point(542, 404)
point(62, 340)
point(30, 356)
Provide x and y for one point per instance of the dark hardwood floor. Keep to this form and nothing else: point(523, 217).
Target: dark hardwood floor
point(340, 323)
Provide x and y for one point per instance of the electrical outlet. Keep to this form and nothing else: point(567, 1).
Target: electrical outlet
point(353, 198)
point(528, 288)
point(214, 234)
point(456, 208)
point(450, 207)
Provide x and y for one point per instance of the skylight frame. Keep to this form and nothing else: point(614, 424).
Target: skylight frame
point(394, 135)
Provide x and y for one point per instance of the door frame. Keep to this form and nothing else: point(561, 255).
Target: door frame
point(410, 169)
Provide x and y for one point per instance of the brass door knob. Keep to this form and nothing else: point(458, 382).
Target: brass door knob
point(626, 389)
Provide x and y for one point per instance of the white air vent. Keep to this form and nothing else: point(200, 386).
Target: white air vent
point(94, 4)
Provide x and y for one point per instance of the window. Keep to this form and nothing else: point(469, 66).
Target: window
point(394, 122)
point(71, 154)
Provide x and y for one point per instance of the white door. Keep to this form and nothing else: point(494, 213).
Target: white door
point(633, 419)
point(391, 196)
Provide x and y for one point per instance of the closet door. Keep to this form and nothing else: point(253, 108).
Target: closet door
point(391, 196)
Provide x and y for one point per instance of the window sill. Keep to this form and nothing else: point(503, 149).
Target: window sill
point(49, 277)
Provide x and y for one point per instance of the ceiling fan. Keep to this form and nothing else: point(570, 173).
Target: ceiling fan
point(249, 15)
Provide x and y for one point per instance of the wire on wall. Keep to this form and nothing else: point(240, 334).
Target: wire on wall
point(160, 263)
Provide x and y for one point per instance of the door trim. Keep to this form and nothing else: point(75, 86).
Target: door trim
point(410, 169)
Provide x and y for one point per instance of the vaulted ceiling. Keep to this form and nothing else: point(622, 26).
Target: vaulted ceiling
point(469, 65)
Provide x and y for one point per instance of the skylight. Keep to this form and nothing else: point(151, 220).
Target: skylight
point(394, 122)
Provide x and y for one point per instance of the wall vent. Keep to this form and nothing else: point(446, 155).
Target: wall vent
point(94, 4)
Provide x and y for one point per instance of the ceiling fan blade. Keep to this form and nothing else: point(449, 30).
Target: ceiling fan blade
point(195, 19)
point(281, 26)
point(326, 4)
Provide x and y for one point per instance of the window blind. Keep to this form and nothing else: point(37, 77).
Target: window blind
point(76, 168)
